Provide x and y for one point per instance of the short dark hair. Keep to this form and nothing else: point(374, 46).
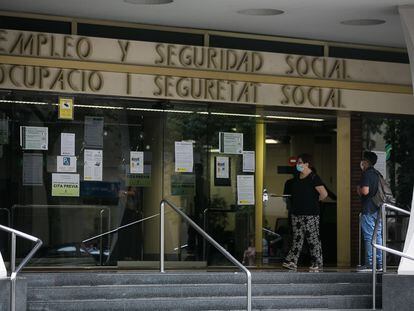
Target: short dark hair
point(371, 157)
point(306, 158)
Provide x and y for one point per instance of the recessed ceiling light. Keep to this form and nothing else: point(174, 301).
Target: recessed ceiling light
point(363, 22)
point(272, 141)
point(149, 1)
point(261, 12)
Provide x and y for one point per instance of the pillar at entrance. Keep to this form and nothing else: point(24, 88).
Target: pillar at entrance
point(3, 271)
point(407, 265)
point(407, 22)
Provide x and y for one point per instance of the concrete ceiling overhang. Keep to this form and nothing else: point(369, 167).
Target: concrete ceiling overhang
point(311, 19)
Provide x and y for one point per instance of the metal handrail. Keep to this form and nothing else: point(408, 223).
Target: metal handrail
point(219, 210)
point(14, 271)
point(119, 228)
point(381, 216)
point(63, 207)
point(208, 238)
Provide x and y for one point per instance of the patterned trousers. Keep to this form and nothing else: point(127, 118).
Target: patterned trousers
point(306, 226)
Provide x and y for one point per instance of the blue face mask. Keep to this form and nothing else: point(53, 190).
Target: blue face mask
point(299, 167)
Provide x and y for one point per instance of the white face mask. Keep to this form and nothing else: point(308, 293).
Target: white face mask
point(361, 165)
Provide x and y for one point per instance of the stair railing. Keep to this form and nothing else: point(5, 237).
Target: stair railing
point(381, 217)
point(13, 270)
point(208, 238)
point(120, 228)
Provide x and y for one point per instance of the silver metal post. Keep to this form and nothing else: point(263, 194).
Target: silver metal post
point(359, 240)
point(384, 237)
point(205, 229)
point(101, 238)
point(13, 294)
point(374, 276)
point(109, 236)
point(12, 270)
point(142, 235)
point(162, 237)
point(13, 252)
point(249, 290)
point(374, 259)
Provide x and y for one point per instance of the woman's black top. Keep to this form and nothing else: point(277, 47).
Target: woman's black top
point(305, 198)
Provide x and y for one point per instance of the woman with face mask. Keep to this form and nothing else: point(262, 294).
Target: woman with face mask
point(307, 190)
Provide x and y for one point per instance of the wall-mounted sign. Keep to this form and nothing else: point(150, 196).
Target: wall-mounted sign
point(67, 144)
point(184, 158)
point(249, 161)
point(231, 143)
point(34, 137)
point(93, 161)
point(65, 185)
point(139, 180)
point(222, 167)
point(66, 164)
point(245, 189)
point(65, 108)
point(136, 162)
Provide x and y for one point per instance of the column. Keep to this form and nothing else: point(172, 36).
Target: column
point(343, 172)
point(259, 179)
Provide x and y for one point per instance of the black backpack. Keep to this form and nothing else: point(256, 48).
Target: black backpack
point(384, 193)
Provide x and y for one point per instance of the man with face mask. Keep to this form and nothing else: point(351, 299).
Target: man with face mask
point(307, 190)
point(366, 189)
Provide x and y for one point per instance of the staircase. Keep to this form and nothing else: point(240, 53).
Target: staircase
point(197, 291)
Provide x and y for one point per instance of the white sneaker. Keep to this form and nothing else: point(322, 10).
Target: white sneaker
point(290, 265)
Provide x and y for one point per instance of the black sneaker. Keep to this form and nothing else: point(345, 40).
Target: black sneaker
point(365, 269)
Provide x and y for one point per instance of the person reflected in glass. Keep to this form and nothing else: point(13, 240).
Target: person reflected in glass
point(307, 190)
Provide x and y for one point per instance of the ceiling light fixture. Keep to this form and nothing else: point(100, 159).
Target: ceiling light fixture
point(363, 22)
point(295, 118)
point(261, 12)
point(149, 2)
point(272, 141)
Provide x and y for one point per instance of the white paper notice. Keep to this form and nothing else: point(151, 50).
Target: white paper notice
point(34, 137)
point(184, 157)
point(222, 167)
point(65, 185)
point(136, 164)
point(245, 189)
point(231, 143)
point(249, 159)
point(381, 165)
point(66, 164)
point(67, 144)
point(93, 165)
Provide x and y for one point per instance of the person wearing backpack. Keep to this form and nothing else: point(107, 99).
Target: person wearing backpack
point(367, 189)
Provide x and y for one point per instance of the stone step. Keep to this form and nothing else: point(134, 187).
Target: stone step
point(193, 290)
point(213, 303)
point(136, 278)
